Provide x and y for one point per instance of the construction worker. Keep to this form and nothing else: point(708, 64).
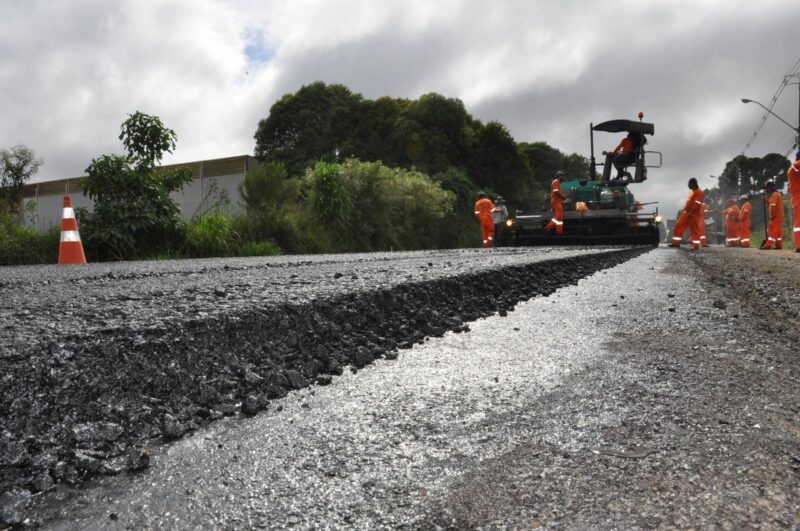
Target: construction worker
point(627, 152)
point(499, 217)
point(732, 228)
point(774, 201)
point(483, 212)
point(557, 200)
point(708, 221)
point(691, 217)
point(744, 222)
point(793, 176)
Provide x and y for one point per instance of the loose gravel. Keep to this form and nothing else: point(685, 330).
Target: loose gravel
point(98, 361)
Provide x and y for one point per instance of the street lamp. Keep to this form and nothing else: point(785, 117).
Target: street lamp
point(793, 128)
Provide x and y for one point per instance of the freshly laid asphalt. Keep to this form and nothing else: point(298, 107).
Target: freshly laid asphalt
point(101, 363)
point(647, 395)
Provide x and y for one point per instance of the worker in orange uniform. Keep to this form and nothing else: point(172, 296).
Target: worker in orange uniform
point(627, 152)
point(557, 200)
point(691, 217)
point(708, 220)
point(483, 211)
point(774, 201)
point(744, 222)
point(793, 176)
point(732, 229)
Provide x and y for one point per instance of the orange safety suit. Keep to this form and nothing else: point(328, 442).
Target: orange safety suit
point(744, 224)
point(624, 147)
point(706, 215)
point(691, 218)
point(732, 229)
point(793, 176)
point(557, 198)
point(483, 211)
point(775, 232)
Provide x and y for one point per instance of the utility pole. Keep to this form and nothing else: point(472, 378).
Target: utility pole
point(797, 82)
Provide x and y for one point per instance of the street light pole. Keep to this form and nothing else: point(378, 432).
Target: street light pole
point(793, 128)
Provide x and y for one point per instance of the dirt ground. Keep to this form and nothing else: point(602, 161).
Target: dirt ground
point(767, 284)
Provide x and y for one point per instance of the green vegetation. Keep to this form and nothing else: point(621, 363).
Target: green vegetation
point(17, 166)
point(133, 215)
point(24, 245)
point(212, 235)
point(260, 249)
point(366, 206)
point(434, 135)
point(338, 173)
point(19, 244)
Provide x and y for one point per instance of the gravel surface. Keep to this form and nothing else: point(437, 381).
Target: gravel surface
point(657, 393)
point(98, 361)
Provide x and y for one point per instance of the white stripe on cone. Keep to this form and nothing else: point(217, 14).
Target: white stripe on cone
point(68, 213)
point(70, 236)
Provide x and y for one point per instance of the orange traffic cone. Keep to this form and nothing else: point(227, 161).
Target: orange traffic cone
point(70, 251)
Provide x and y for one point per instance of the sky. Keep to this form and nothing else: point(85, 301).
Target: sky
point(72, 70)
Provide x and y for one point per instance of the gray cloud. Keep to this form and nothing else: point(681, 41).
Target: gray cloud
point(73, 70)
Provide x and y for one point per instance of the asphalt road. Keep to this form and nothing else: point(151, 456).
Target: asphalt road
point(645, 396)
point(100, 361)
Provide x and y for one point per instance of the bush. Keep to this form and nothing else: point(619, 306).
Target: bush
point(212, 235)
point(260, 249)
point(366, 206)
point(23, 245)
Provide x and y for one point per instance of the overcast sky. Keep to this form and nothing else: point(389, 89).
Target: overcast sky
point(71, 70)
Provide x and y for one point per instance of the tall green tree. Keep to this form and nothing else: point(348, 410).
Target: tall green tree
point(269, 197)
point(17, 166)
point(497, 164)
point(376, 124)
point(576, 165)
point(133, 214)
point(431, 134)
point(316, 123)
point(746, 175)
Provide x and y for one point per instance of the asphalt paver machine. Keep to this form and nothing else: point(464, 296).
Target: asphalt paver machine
point(600, 210)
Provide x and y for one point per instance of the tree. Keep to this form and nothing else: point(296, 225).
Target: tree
point(498, 165)
point(133, 213)
point(329, 199)
point(576, 165)
point(376, 123)
point(316, 123)
point(431, 134)
point(747, 175)
point(17, 166)
point(269, 197)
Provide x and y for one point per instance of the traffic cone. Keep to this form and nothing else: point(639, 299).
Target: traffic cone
point(70, 251)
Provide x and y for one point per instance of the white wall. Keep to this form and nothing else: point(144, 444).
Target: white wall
point(48, 209)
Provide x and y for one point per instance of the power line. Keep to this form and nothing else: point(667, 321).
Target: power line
point(788, 137)
point(774, 100)
point(791, 148)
